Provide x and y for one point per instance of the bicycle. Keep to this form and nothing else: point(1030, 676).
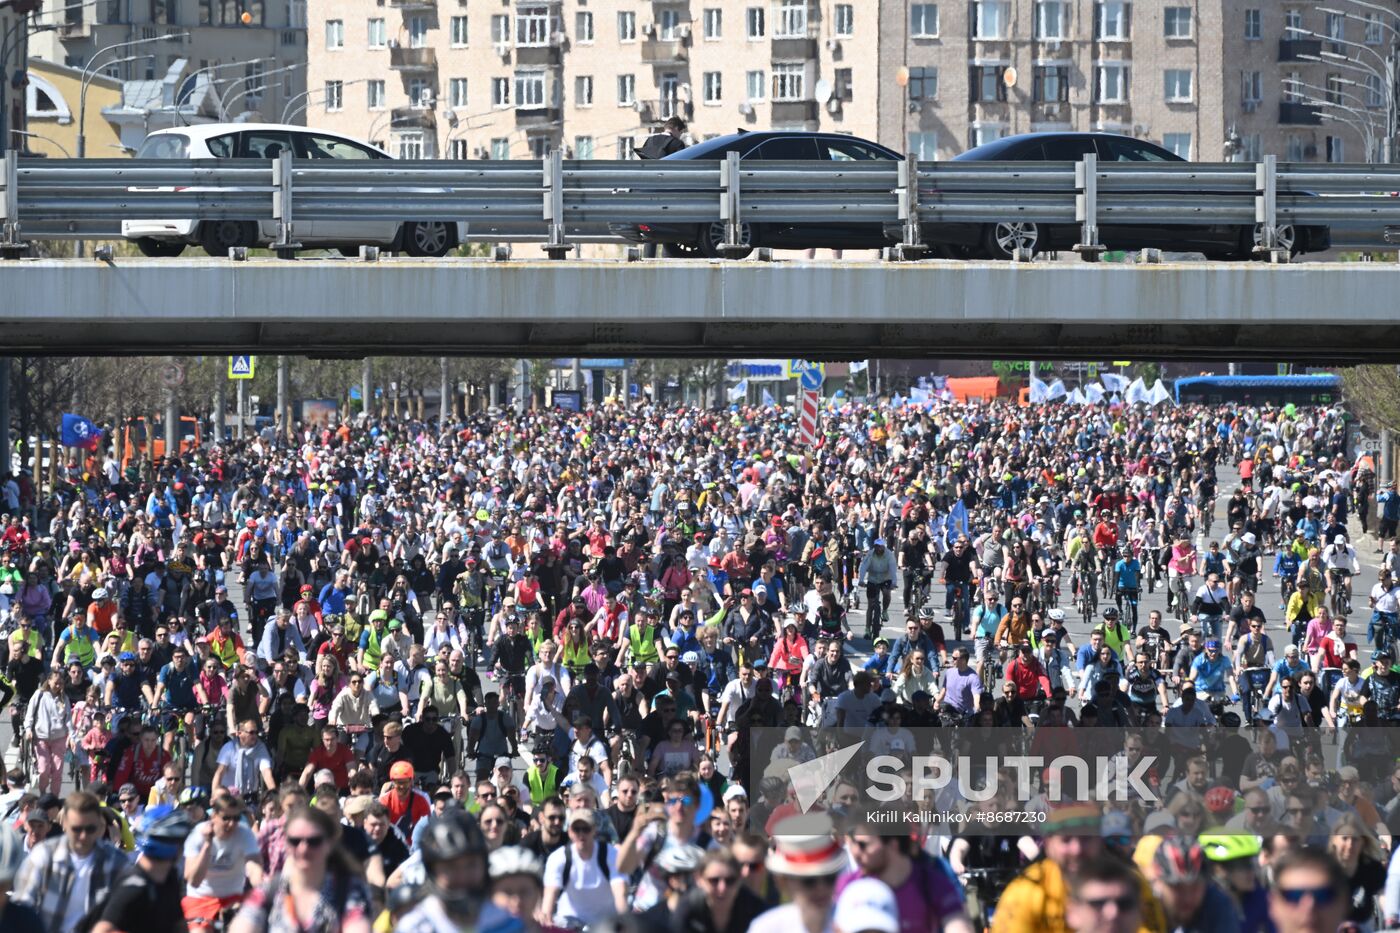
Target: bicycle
point(1130, 597)
point(1087, 598)
point(960, 610)
point(1338, 598)
point(984, 887)
point(1180, 604)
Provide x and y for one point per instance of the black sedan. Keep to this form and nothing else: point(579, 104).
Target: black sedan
point(1001, 240)
point(705, 239)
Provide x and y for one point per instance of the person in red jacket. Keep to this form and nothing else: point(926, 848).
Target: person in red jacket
point(1028, 674)
point(406, 805)
point(143, 763)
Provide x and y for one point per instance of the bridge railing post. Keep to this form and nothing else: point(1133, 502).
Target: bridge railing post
point(556, 247)
point(282, 211)
point(1086, 208)
point(730, 202)
point(12, 245)
point(1266, 209)
point(912, 246)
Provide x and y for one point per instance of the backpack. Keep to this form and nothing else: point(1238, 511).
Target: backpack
point(601, 856)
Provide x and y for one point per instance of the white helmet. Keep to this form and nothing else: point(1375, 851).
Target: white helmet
point(515, 860)
point(1056, 615)
point(100, 593)
point(678, 860)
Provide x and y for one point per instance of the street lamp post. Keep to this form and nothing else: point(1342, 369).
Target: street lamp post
point(47, 139)
point(211, 69)
point(290, 111)
point(1363, 123)
point(1385, 74)
point(1351, 64)
point(228, 96)
point(91, 70)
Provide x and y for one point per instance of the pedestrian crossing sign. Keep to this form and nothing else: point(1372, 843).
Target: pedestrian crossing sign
point(240, 367)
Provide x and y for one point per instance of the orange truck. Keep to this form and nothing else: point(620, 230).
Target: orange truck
point(135, 437)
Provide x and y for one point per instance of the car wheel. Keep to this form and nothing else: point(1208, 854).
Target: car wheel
point(1001, 240)
point(431, 238)
point(1286, 234)
point(710, 237)
point(159, 249)
point(219, 236)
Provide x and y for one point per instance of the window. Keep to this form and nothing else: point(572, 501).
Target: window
point(457, 149)
point(335, 34)
point(991, 19)
point(500, 29)
point(982, 133)
point(788, 81)
point(714, 23)
point(335, 96)
point(1335, 150)
point(753, 23)
point(583, 26)
point(1336, 26)
point(457, 92)
point(1051, 20)
point(845, 20)
point(418, 32)
point(985, 83)
point(374, 94)
point(500, 93)
point(1292, 23)
point(410, 146)
point(1334, 88)
point(1250, 148)
point(532, 27)
point(792, 20)
point(500, 148)
point(1253, 25)
point(670, 94)
point(1373, 29)
point(1178, 143)
point(713, 86)
point(529, 90)
point(583, 147)
point(756, 86)
point(668, 24)
point(378, 37)
point(626, 90)
point(1375, 91)
point(1051, 84)
point(923, 20)
point(923, 84)
point(843, 84)
point(924, 146)
point(420, 94)
point(1176, 22)
point(459, 32)
point(626, 146)
point(1177, 84)
point(1295, 151)
point(1290, 87)
point(1252, 87)
point(1113, 20)
point(1111, 83)
point(626, 26)
point(583, 91)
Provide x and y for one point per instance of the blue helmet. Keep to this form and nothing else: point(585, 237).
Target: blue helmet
point(163, 832)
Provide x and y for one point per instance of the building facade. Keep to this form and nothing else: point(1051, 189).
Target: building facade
point(513, 79)
point(252, 51)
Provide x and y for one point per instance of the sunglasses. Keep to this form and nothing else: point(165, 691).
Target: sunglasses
point(683, 801)
point(85, 829)
point(310, 842)
point(1320, 897)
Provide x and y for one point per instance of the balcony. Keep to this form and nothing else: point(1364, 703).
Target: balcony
point(408, 118)
point(413, 61)
point(530, 115)
point(412, 5)
point(1295, 114)
point(1289, 50)
point(549, 55)
point(664, 52)
point(789, 112)
point(793, 48)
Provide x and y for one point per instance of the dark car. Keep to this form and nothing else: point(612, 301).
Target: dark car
point(1000, 240)
point(705, 239)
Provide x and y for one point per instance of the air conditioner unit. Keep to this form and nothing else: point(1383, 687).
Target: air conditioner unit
point(648, 29)
point(639, 105)
point(683, 31)
point(502, 49)
point(833, 106)
point(557, 38)
point(1250, 106)
point(915, 106)
point(393, 43)
point(1051, 45)
point(1052, 112)
point(833, 44)
point(746, 109)
point(480, 152)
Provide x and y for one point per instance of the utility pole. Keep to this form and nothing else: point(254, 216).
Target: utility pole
point(284, 420)
point(576, 377)
point(242, 406)
point(5, 414)
point(367, 384)
point(172, 424)
point(625, 392)
point(445, 398)
point(220, 404)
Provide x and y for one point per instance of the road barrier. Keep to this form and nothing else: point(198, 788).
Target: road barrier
point(561, 202)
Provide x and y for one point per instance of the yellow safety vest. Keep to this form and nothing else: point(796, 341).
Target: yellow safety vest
point(646, 650)
point(542, 786)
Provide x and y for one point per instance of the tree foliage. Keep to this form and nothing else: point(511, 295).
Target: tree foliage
point(1372, 394)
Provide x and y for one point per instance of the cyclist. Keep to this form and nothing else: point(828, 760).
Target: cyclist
point(174, 692)
point(1339, 558)
point(1385, 610)
point(877, 573)
point(222, 859)
point(1127, 583)
point(1214, 674)
point(986, 620)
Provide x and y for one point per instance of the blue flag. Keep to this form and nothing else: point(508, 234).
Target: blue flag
point(78, 431)
point(957, 520)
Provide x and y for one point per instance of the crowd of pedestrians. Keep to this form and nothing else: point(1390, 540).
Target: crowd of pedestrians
point(551, 671)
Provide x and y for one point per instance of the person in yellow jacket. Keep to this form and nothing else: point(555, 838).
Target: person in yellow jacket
point(1038, 898)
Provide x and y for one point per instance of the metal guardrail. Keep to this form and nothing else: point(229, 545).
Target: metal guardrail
point(562, 202)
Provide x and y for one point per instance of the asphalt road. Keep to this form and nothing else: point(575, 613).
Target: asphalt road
point(1269, 601)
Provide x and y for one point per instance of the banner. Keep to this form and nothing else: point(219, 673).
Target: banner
point(1056, 391)
point(1094, 393)
point(1113, 383)
point(740, 391)
point(1158, 394)
point(77, 431)
point(1039, 391)
point(1137, 392)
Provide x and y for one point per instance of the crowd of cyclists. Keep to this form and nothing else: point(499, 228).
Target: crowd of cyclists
point(507, 674)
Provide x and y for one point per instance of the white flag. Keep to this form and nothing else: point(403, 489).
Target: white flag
point(768, 398)
point(1056, 391)
point(1159, 393)
point(918, 395)
point(740, 390)
point(1077, 396)
point(859, 366)
point(1137, 392)
point(1038, 390)
point(1094, 393)
point(1113, 383)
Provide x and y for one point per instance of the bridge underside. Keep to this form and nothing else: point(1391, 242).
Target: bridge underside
point(1325, 313)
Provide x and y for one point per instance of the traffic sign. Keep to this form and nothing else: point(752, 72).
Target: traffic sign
point(811, 374)
point(1368, 445)
point(172, 375)
point(240, 367)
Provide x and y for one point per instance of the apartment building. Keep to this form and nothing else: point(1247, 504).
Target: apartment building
point(515, 78)
point(512, 79)
point(252, 51)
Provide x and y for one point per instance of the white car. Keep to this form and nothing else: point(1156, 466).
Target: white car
point(266, 141)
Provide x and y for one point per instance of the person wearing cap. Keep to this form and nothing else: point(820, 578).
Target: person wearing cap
point(406, 804)
point(582, 881)
point(1242, 557)
point(806, 860)
point(77, 642)
point(876, 577)
point(1289, 667)
point(1339, 557)
point(1214, 673)
point(226, 644)
point(1385, 610)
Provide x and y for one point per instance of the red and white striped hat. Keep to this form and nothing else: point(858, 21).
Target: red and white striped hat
point(806, 847)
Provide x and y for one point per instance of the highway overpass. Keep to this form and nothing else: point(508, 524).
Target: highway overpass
point(1317, 312)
